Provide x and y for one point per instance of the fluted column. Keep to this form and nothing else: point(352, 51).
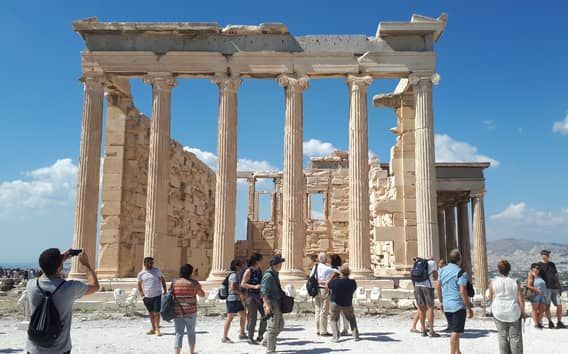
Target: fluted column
point(479, 245)
point(450, 217)
point(226, 184)
point(426, 206)
point(442, 234)
point(359, 237)
point(158, 164)
point(87, 206)
point(464, 244)
point(251, 198)
point(293, 225)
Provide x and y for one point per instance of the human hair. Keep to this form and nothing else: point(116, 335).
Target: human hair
point(186, 271)
point(335, 261)
point(236, 263)
point(254, 259)
point(322, 257)
point(344, 270)
point(148, 259)
point(50, 260)
point(504, 267)
point(454, 256)
point(535, 265)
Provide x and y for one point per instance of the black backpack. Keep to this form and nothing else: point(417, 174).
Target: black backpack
point(45, 324)
point(223, 292)
point(469, 286)
point(419, 271)
point(312, 285)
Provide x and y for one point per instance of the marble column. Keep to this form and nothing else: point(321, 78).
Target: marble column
point(479, 245)
point(426, 205)
point(87, 206)
point(464, 244)
point(158, 164)
point(442, 231)
point(226, 184)
point(359, 233)
point(450, 217)
point(251, 198)
point(293, 225)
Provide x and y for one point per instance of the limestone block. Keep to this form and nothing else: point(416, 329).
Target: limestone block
point(405, 304)
point(405, 284)
point(397, 294)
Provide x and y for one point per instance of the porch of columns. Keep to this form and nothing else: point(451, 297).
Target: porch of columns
point(450, 217)
point(293, 225)
point(464, 243)
point(426, 205)
point(87, 205)
point(480, 245)
point(226, 183)
point(442, 234)
point(158, 164)
point(359, 236)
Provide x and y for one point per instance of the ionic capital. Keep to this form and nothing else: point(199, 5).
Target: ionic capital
point(477, 195)
point(359, 82)
point(416, 79)
point(160, 81)
point(296, 84)
point(93, 80)
point(226, 82)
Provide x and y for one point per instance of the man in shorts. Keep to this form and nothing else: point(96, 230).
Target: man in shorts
point(151, 282)
point(549, 273)
point(452, 294)
point(424, 296)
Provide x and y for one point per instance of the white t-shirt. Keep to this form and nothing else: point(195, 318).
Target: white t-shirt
point(505, 306)
point(324, 272)
point(151, 282)
point(432, 267)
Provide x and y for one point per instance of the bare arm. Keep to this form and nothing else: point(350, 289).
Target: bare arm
point(521, 300)
point(246, 279)
point(440, 298)
point(490, 292)
point(164, 284)
point(92, 281)
point(200, 291)
point(530, 285)
point(140, 289)
point(465, 299)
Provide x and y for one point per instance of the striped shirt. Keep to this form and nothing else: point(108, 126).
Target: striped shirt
point(185, 292)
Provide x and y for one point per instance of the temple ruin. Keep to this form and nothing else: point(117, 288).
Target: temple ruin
point(159, 200)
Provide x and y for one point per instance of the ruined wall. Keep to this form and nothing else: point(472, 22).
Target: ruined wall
point(190, 202)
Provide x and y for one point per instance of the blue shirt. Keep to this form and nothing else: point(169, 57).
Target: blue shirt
point(451, 296)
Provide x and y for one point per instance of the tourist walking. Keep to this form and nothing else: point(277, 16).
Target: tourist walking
point(507, 307)
point(271, 292)
point(424, 295)
point(336, 264)
point(323, 274)
point(185, 291)
point(452, 294)
point(342, 290)
point(151, 285)
point(252, 278)
point(549, 273)
point(63, 292)
point(537, 285)
point(234, 303)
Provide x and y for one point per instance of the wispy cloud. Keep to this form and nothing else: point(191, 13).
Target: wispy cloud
point(243, 164)
point(317, 148)
point(490, 124)
point(449, 149)
point(561, 127)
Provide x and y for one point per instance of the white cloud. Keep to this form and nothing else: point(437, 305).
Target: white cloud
point(210, 159)
point(511, 212)
point(450, 150)
point(47, 186)
point(490, 124)
point(317, 148)
point(561, 127)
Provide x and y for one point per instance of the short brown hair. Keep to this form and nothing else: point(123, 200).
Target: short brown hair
point(504, 267)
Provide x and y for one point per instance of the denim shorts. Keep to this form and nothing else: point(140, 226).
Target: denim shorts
point(234, 306)
point(539, 299)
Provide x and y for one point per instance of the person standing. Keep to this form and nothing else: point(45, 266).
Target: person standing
point(508, 307)
point(549, 273)
point(64, 293)
point(538, 286)
point(151, 285)
point(452, 294)
point(251, 283)
point(342, 290)
point(424, 296)
point(321, 301)
point(336, 264)
point(271, 292)
point(234, 303)
point(185, 290)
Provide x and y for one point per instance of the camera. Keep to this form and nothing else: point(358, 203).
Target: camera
point(75, 252)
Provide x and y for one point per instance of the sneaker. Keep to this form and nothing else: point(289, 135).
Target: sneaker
point(326, 334)
point(243, 336)
point(434, 334)
point(252, 341)
point(559, 324)
point(424, 334)
point(551, 325)
point(158, 333)
point(226, 340)
point(151, 332)
point(344, 333)
point(259, 339)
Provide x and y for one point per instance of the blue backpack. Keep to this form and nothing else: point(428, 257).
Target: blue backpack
point(419, 271)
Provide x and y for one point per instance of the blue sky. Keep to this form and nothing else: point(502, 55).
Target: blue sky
point(502, 96)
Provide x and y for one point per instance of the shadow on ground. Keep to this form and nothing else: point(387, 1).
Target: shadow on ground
point(477, 333)
point(378, 337)
point(11, 350)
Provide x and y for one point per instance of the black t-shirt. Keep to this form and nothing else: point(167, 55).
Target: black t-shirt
point(549, 273)
point(342, 290)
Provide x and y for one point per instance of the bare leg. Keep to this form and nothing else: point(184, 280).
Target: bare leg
point(243, 322)
point(535, 311)
point(422, 312)
point(415, 320)
point(559, 312)
point(227, 324)
point(455, 343)
point(430, 313)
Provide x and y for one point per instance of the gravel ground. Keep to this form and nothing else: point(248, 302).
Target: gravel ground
point(378, 334)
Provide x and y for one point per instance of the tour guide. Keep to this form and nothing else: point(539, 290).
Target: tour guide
point(271, 294)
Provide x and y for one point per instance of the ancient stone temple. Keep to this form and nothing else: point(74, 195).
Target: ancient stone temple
point(159, 200)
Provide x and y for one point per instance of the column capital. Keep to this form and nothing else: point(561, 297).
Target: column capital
point(416, 78)
point(295, 83)
point(226, 82)
point(359, 82)
point(478, 194)
point(161, 81)
point(93, 80)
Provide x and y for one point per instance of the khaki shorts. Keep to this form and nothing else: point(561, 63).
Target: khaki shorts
point(424, 296)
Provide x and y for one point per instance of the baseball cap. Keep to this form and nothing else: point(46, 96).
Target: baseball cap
point(545, 252)
point(276, 260)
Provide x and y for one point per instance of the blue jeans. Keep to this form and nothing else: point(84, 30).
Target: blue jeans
point(183, 323)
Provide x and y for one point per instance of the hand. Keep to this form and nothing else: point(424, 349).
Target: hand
point(469, 313)
point(539, 292)
point(257, 287)
point(66, 255)
point(84, 259)
point(267, 309)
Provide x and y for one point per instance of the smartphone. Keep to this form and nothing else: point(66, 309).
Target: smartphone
point(75, 252)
